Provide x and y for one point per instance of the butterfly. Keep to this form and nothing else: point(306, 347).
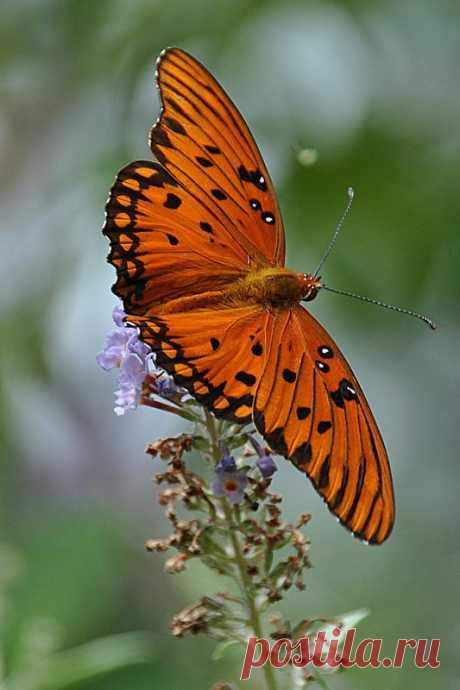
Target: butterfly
point(197, 241)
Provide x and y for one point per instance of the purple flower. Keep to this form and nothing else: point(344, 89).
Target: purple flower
point(124, 350)
point(264, 462)
point(227, 462)
point(167, 388)
point(266, 465)
point(230, 483)
point(118, 316)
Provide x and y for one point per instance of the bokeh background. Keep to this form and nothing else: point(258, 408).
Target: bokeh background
point(371, 86)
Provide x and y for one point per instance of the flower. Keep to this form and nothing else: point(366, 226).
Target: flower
point(124, 350)
point(229, 481)
point(227, 462)
point(264, 462)
point(266, 465)
point(160, 383)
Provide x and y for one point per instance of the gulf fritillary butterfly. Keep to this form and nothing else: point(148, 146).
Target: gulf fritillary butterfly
point(197, 241)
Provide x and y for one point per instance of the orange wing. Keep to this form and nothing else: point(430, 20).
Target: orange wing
point(207, 213)
point(284, 371)
point(310, 408)
point(165, 243)
point(215, 354)
point(204, 143)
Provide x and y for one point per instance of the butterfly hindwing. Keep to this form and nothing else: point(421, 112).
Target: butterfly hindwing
point(215, 354)
point(310, 408)
point(282, 370)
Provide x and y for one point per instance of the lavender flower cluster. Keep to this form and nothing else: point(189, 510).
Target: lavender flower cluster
point(124, 350)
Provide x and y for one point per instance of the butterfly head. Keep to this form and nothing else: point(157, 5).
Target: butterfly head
point(311, 285)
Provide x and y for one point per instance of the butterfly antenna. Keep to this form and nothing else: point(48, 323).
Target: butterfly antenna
point(330, 247)
point(409, 312)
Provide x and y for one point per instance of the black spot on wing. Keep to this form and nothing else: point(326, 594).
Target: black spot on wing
point(206, 227)
point(255, 177)
point(289, 375)
point(159, 137)
point(344, 392)
point(174, 125)
point(324, 426)
point(218, 194)
point(172, 201)
point(268, 217)
point(302, 455)
point(246, 378)
point(276, 441)
point(303, 412)
point(325, 352)
point(204, 162)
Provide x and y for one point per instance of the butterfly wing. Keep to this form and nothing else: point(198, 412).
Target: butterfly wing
point(204, 143)
point(281, 369)
point(311, 409)
point(165, 242)
point(206, 213)
point(215, 354)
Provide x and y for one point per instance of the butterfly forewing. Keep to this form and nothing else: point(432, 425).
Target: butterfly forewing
point(165, 244)
point(205, 144)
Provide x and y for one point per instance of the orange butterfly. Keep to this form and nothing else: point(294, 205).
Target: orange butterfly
point(197, 240)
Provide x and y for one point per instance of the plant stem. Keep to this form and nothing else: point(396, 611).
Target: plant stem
point(245, 580)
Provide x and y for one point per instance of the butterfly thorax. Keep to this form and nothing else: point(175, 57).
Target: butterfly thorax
point(275, 287)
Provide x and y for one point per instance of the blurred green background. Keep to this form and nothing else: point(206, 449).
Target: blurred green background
point(374, 88)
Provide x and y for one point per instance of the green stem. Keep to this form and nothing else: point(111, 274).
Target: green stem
point(245, 580)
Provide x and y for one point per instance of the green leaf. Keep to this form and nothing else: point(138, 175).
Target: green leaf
point(200, 443)
point(236, 441)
